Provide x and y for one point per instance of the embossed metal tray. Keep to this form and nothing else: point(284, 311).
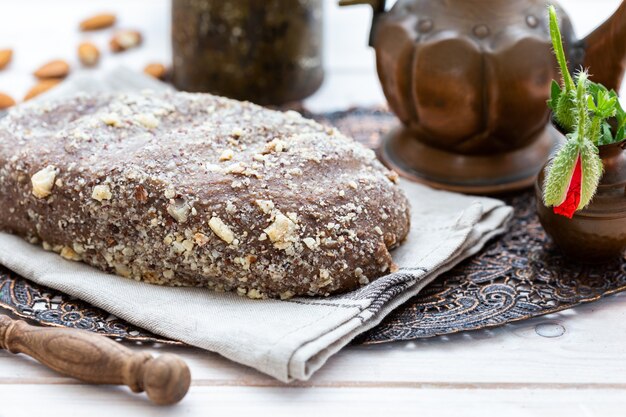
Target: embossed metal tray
point(517, 276)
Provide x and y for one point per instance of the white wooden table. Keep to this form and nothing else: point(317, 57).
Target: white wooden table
point(572, 363)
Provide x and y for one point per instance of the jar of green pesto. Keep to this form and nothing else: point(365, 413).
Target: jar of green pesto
point(265, 51)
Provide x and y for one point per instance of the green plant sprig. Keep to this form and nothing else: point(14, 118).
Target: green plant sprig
point(608, 118)
point(559, 52)
point(585, 110)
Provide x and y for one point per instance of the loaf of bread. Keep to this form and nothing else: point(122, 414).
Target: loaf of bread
point(195, 190)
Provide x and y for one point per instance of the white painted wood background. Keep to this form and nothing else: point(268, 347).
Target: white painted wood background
point(516, 370)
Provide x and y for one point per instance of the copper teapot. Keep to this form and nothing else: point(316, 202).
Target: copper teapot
point(469, 80)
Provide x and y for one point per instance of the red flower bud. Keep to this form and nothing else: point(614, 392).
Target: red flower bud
point(572, 199)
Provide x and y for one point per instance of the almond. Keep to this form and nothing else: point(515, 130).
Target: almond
point(41, 87)
point(5, 57)
point(6, 101)
point(88, 54)
point(99, 21)
point(125, 39)
point(53, 69)
point(155, 70)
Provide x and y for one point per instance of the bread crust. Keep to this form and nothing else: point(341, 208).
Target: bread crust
point(196, 190)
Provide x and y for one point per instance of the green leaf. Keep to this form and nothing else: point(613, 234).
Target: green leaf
point(593, 89)
point(619, 136)
point(620, 114)
point(591, 104)
point(555, 94)
point(609, 108)
point(606, 105)
point(606, 136)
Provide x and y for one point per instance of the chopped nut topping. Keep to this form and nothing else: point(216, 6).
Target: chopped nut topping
point(43, 181)
point(236, 168)
point(178, 247)
point(265, 205)
point(282, 232)
point(310, 243)
point(221, 230)
point(275, 145)
point(286, 295)
point(101, 192)
point(69, 254)
point(179, 210)
point(147, 120)
point(227, 155)
point(201, 239)
point(254, 294)
point(111, 119)
point(188, 245)
point(122, 270)
point(78, 248)
point(393, 176)
point(230, 207)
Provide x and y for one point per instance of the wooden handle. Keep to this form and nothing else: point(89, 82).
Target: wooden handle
point(98, 360)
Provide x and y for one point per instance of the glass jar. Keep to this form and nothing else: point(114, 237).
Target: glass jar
point(264, 51)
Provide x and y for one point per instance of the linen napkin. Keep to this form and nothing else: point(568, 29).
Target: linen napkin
point(288, 340)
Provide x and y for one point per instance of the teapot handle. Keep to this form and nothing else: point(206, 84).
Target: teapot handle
point(378, 6)
point(605, 50)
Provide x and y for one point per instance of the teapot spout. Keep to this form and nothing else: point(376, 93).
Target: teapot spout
point(605, 50)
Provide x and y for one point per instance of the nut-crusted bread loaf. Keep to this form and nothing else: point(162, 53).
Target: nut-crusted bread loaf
point(197, 190)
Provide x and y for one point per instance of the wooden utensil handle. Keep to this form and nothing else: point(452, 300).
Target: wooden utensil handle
point(98, 360)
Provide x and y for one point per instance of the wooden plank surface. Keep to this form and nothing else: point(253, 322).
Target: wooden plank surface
point(362, 402)
point(513, 369)
point(524, 369)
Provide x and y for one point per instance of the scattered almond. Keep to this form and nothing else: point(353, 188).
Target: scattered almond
point(125, 39)
point(5, 57)
point(88, 54)
point(53, 69)
point(40, 88)
point(155, 70)
point(99, 21)
point(6, 101)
